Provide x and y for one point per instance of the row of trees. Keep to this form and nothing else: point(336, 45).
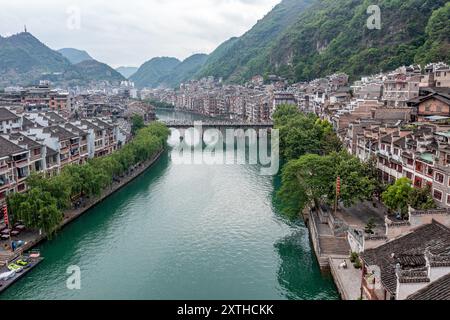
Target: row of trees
point(42, 206)
point(312, 178)
point(315, 158)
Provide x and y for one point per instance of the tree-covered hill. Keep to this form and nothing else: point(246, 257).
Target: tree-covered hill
point(97, 71)
point(74, 55)
point(152, 71)
point(242, 57)
point(184, 71)
point(127, 72)
point(24, 60)
point(327, 36)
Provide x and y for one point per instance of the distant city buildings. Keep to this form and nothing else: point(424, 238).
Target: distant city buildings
point(42, 129)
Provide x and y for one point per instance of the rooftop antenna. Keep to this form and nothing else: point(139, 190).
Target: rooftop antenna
point(25, 28)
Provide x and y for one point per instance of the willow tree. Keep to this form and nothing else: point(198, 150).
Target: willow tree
point(37, 209)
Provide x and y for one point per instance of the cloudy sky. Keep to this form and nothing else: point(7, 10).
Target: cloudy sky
point(129, 32)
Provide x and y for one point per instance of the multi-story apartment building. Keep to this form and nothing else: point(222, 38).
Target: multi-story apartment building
point(15, 164)
point(399, 88)
point(9, 121)
point(63, 141)
point(431, 104)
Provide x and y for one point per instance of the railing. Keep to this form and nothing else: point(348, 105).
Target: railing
point(217, 123)
point(4, 169)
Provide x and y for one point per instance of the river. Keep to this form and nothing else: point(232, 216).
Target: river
point(183, 232)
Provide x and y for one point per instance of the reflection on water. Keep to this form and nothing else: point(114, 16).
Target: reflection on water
point(183, 232)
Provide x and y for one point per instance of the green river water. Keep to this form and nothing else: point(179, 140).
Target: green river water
point(182, 232)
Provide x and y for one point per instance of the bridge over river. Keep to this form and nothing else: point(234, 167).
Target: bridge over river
point(217, 124)
point(183, 232)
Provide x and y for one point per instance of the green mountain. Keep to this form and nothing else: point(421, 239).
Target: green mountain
point(74, 55)
point(127, 72)
point(24, 60)
point(243, 57)
point(184, 71)
point(97, 71)
point(321, 37)
point(151, 72)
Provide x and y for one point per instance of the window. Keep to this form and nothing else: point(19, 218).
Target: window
point(409, 175)
point(418, 182)
point(411, 161)
point(419, 167)
point(439, 177)
point(437, 195)
point(430, 171)
point(448, 199)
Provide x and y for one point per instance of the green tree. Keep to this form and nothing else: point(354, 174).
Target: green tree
point(420, 198)
point(397, 196)
point(370, 226)
point(37, 209)
point(137, 123)
point(41, 206)
point(356, 182)
point(284, 113)
point(437, 45)
point(312, 178)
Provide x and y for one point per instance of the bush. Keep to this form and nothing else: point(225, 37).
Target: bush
point(353, 257)
point(357, 264)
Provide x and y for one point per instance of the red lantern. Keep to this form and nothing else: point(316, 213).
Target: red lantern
point(5, 215)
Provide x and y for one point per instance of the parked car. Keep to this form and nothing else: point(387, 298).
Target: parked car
point(15, 267)
point(7, 275)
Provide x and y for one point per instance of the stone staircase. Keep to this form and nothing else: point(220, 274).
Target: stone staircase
point(334, 246)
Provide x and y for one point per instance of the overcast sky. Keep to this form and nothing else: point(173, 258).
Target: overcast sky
point(129, 32)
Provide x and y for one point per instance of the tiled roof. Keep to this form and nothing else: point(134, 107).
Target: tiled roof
point(51, 152)
point(24, 140)
point(27, 123)
point(55, 117)
point(387, 138)
point(408, 251)
point(59, 132)
point(437, 290)
point(8, 148)
point(400, 142)
point(5, 115)
point(90, 125)
point(75, 129)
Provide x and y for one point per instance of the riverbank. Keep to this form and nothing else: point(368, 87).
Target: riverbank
point(330, 251)
point(35, 238)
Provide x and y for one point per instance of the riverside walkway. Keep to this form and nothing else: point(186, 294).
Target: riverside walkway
point(32, 238)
